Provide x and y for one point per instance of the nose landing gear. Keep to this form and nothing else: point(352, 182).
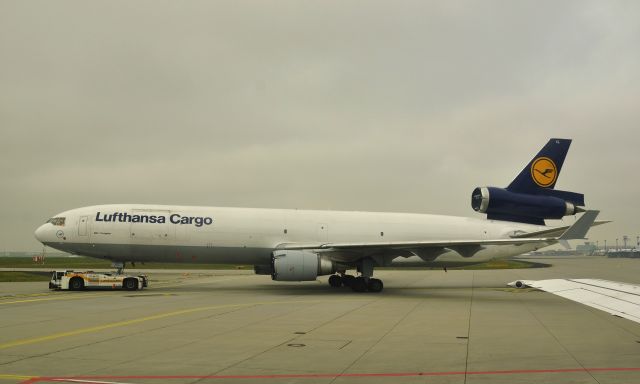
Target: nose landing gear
point(119, 266)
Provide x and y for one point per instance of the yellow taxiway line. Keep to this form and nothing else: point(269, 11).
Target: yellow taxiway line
point(97, 328)
point(60, 297)
point(15, 377)
point(9, 297)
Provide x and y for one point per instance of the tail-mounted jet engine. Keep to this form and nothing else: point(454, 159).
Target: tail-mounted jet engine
point(531, 197)
point(299, 265)
point(502, 204)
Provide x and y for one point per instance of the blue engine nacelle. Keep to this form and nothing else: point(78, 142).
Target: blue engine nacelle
point(502, 204)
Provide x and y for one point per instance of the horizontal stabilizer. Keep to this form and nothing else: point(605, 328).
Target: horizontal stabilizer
point(580, 228)
point(553, 232)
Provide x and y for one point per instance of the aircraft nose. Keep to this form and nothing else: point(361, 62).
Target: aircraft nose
point(41, 232)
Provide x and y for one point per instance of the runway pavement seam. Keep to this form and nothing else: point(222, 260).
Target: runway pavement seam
point(101, 327)
point(36, 379)
point(170, 314)
point(85, 295)
point(8, 297)
point(293, 338)
point(466, 358)
point(156, 329)
point(566, 350)
point(90, 295)
point(612, 320)
point(539, 349)
point(4, 376)
point(201, 281)
point(402, 318)
point(211, 336)
point(112, 339)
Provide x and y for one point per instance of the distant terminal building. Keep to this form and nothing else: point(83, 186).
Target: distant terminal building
point(627, 253)
point(587, 248)
point(590, 249)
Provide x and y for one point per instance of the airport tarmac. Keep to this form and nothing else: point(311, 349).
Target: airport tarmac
point(235, 327)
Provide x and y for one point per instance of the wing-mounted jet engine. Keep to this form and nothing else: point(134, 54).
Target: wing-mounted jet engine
point(303, 265)
point(530, 198)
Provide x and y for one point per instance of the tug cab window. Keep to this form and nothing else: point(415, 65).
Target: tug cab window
point(59, 221)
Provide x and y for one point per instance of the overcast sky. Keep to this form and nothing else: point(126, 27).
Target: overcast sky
point(351, 105)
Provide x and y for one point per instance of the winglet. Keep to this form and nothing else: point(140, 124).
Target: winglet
point(580, 228)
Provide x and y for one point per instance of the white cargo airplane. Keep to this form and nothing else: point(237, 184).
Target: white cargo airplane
point(300, 245)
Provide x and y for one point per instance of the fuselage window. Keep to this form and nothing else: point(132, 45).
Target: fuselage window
point(59, 221)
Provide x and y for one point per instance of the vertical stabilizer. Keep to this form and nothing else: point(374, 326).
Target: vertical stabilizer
point(543, 170)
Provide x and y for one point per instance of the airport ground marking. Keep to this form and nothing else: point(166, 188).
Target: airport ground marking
point(19, 295)
point(93, 379)
point(97, 328)
point(89, 381)
point(186, 282)
point(58, 297)
point(16, 377)
point(62, 296)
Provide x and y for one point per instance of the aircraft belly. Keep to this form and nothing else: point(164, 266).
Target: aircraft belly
point(169, 254)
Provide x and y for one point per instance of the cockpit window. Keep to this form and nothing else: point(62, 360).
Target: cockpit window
point(59, 221)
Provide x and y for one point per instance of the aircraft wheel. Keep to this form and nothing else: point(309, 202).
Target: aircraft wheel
point(375, 285)
point(347, 280)
point(130, 284)
point(335, 281)
point(76, 284)
point(359, 284)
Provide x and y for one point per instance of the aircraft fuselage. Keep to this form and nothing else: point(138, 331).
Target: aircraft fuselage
point(249, 235)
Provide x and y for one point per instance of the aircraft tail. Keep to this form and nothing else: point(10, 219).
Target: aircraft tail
point(540, 175)
point(543, 170)
point(531, 197)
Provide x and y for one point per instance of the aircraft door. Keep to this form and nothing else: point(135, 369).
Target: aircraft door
point(82, 225)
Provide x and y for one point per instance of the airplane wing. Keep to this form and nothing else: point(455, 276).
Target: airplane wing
point(414, 244)
point(427, 250)
point(619, 299)
point(464, 247)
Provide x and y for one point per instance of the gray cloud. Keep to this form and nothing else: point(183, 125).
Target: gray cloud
point(392, 106)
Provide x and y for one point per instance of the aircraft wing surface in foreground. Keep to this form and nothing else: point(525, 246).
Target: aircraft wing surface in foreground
point(619, 299)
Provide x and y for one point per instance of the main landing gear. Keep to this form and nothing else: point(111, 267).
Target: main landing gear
point(361, 283)
point(358, 284)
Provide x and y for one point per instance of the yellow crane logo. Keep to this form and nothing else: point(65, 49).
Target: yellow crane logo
point(544, 171)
